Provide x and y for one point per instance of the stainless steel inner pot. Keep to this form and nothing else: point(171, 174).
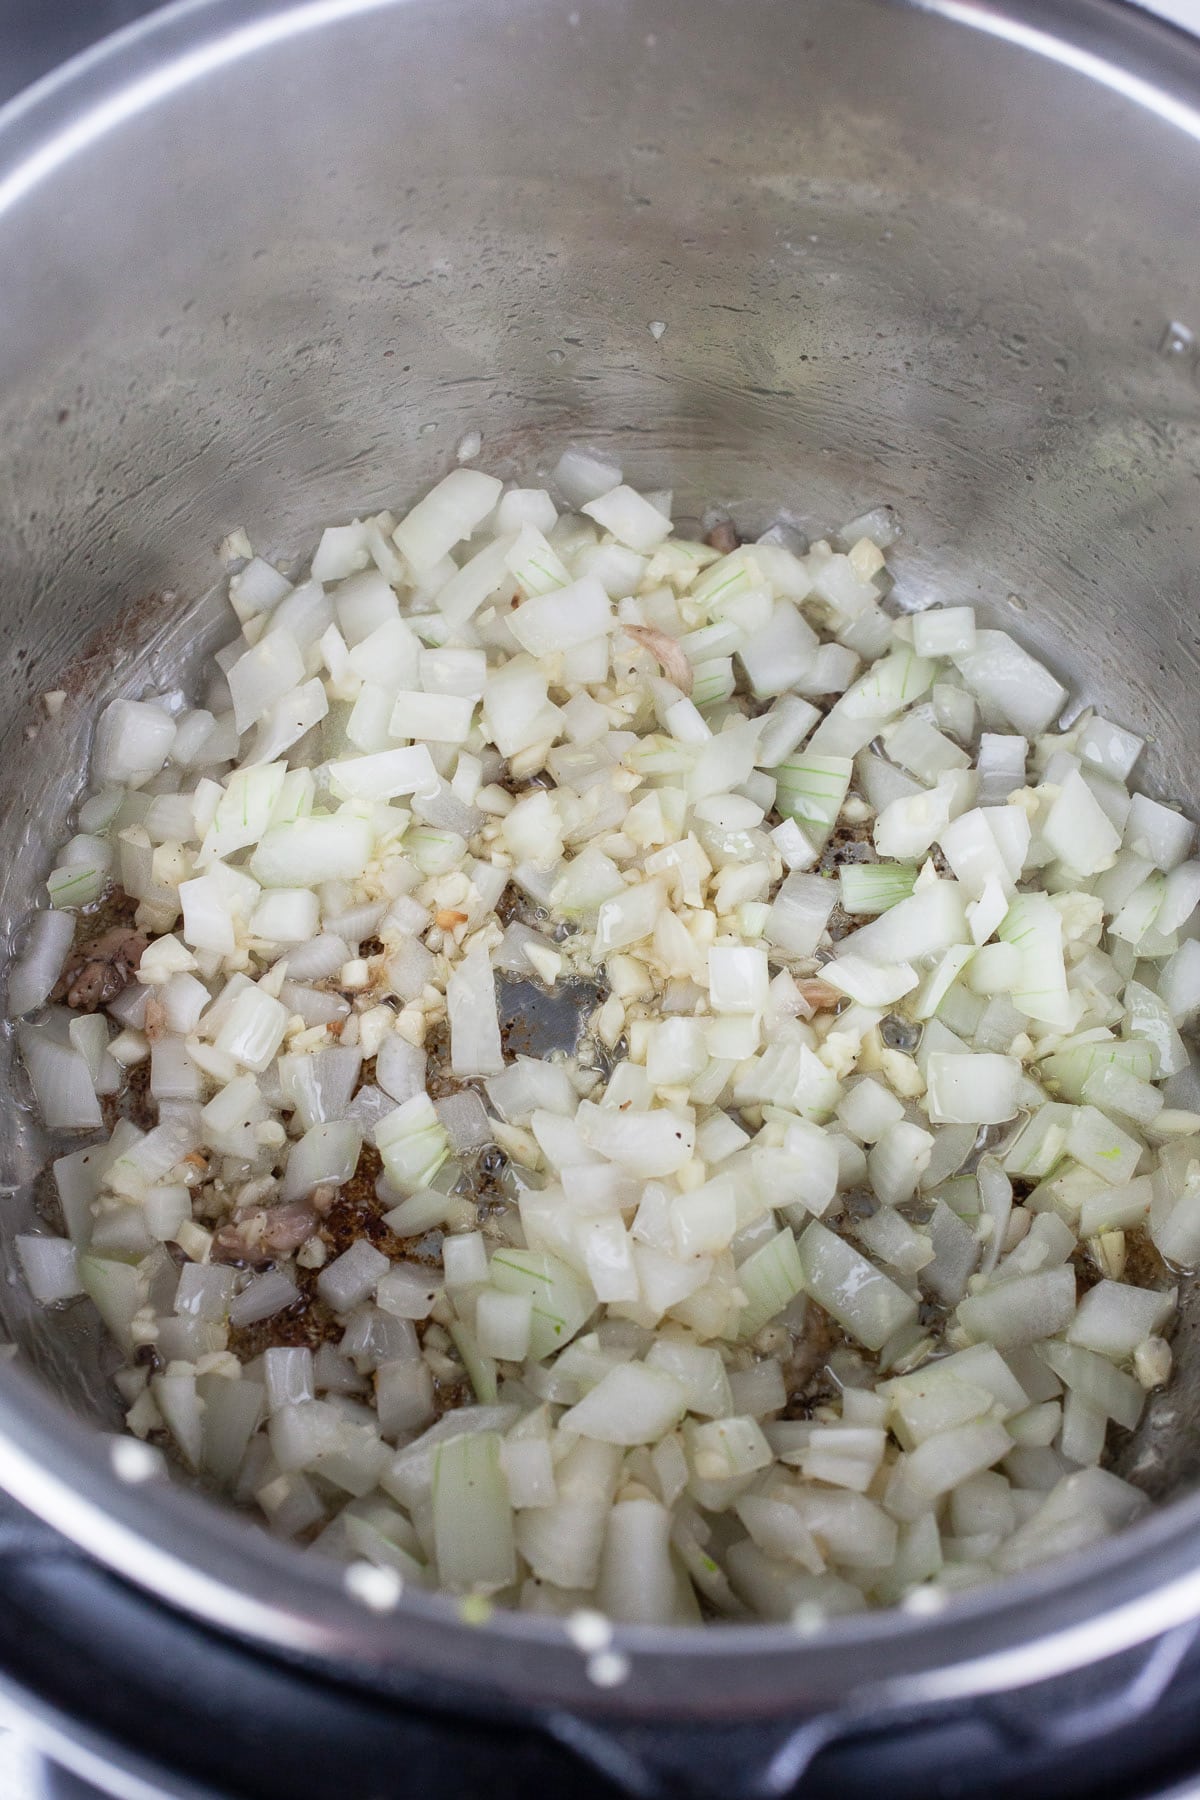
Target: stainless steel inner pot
point(264, 264)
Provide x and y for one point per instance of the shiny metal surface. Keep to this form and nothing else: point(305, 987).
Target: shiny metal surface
point(264, 265)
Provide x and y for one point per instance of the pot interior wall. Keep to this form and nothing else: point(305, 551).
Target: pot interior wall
point(897, 260)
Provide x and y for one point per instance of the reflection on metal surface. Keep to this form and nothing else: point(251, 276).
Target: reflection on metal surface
point(160, 82)
point(1031, 30)
point(20, 1765)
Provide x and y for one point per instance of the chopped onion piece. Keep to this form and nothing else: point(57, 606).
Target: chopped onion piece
point(50, 1267)
point(972, 1090)
point(34, 974)
point(265, 1296)
point(866, 989)
point(632, 1404)
point(450, 512)
point(474, 1022)
point(859, 1296)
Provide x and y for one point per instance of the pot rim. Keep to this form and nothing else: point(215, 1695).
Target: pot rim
point(216, 1566)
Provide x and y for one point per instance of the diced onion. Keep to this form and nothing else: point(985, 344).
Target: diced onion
point(874, 981)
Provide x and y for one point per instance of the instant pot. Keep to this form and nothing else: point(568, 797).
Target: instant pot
point(264, 264)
